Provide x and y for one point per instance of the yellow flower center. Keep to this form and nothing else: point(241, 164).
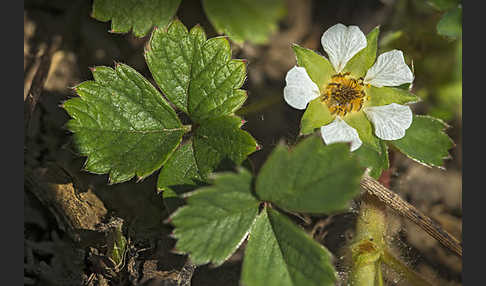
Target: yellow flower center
point(344, 94)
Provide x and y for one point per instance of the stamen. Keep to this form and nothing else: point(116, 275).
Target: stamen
point(344, 95)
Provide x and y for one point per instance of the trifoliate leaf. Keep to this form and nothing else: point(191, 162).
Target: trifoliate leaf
point(387, 95)
point(450, 25)
point(216, 219)
point(369, 157)
point(196, 74)
point(123, 124)
point(245, 20)
point(317, 67)
point(425, 141)
point(279, 253)
point(311, 178)
point(316, 115)
point(138, 15)
point(220, 139)
point(364, 59)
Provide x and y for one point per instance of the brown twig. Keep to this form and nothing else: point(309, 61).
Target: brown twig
point(400, 206)
point(39, 80)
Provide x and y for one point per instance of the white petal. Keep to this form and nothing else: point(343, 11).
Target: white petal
point(389, 69)
point(341, 43)
point(390, 120)
point(340, 131)
point(300, 89)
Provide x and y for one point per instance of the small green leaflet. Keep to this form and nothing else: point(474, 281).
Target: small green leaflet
point(125, 126)
point(122, 123)
point(138, 15)
point(371, 158)
point(311, 178)
point(216, 219)
point(279, 253)
point(196, 74)
point(245, 20)
point(220, 139)
point(425, 141)
point(180, 169)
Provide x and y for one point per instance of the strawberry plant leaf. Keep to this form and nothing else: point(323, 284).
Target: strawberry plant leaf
point(170, 58)
point(425, 141)
point(138, 15)
point(216, 219)
point(180, 169)
point(122, 124)
point(311, 178)
point(178, 176)
point(371, 158)
point(280, 253)
point(219, 139)
point(245, 20)
point(196, 74)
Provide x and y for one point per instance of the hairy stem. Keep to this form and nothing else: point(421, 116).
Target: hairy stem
point(369, 243)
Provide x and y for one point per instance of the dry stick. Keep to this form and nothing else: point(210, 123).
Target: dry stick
point(396, 203)
point(39, 80)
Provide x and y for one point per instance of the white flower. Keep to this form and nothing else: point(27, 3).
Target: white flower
point(345, 95)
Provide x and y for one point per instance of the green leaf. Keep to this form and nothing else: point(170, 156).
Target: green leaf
point(316, 115)
point(117, 245)
point(138, 15)
point(369, 157)
point(178, 176)
point(170, 58)
point(386, 95)
point(279, 253)
point(311, 178)
point(450, 25)
point(245, 20)
point(220, 139)
point(425, 141)
point(364, 59)
point(216, 219)
point(180, 169)
point(123, 124)
point(196, 74)
point(318, 67)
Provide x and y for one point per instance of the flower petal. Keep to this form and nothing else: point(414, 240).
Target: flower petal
point(390, 69)
point(341, 43)
point(390, 120)
point(340, 131)
point(300, 89)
